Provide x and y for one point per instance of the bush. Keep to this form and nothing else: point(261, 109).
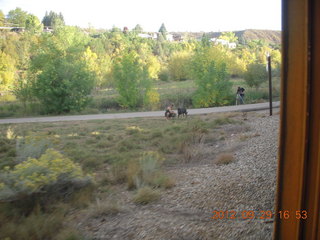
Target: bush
point(131, 78)
point(31, 147)
point(63, 86)
point(256, 74)
point(52, 172)
point(164, 75)
point(36, 226)
point(224, 159)
point(212, 80)
point(146, 195)
point(179, 66)
point(152, 100)
point(147, 172)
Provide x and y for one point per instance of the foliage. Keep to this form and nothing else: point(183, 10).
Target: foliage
point(29, 58)
point(212, 80)
point(224, 159)
point(138, 29)
point(62, 80)
point(147, 172)
point(17, 17)
point(146, 195)
point(229, 36)
point(2, 18)
point(152, 99)
point(163, 30)
point(53, 19)
point(132, 80)
point(33, 24)
point(164, 74)
point(37, 175)
point(179, 65)
point(256, 75)
point(31, 147)
point(153, 65)
point(63, 86)
point(7, 71)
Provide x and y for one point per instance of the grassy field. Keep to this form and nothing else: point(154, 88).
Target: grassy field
point(130, 154)
point(105, 100)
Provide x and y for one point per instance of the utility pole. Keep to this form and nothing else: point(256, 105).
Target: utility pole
point(270, 83)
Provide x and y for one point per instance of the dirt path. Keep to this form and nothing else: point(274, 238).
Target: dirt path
point(247, 107)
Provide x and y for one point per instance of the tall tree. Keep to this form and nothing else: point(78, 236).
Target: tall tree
point(7, 71)
point(53, 19)
point(256, 74)
point(17, 17)
point(132, 80)
point(163, 30)
point(61, 77)
point(33, 24)
point(229, 36)
point(138, 29)
point(2, 18)
point(212, 80)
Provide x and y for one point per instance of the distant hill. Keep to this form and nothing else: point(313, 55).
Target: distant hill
point(267, 35)
point(271, 36)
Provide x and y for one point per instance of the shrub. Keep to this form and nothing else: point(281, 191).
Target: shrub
point(50, 173)
point(146, 195)
point(63, 86)
point(164, 75)
point(132, 81)
point(152, 99)
point(147, 172)
point(103, 208)
point(224, 159)
point(256, 74)
point(36, 226)
point(211, 77)
point(31, 146)
point(179, 65)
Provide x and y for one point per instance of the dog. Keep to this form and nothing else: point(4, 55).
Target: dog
point(182, 111)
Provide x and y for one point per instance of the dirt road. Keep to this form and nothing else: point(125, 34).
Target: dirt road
point(247, 107)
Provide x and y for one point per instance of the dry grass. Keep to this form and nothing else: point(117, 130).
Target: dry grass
point(101, 208)
point(224, 159)
point(146, 195)
point(113, 149)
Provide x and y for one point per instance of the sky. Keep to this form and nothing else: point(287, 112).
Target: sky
point(177, 15)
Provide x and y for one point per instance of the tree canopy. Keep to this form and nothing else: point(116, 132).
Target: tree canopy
point(53, 19)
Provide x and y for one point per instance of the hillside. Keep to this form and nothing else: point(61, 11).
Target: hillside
point(267, 35)
point(271, 36)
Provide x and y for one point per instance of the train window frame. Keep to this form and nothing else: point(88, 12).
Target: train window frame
point(298, 183)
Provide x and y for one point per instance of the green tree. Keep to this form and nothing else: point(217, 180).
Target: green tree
point(131, 80)
point(212, 80)
point(256, 74)
point(229, 36)
point(33, 24)
point(179, 64)
point(7, 71)
point(53, 19)
point(17, 17)
point(138, 29)
point(205, 40)
point(2, 19)
point(61, 77)
point(163, 30)
point(64, 85)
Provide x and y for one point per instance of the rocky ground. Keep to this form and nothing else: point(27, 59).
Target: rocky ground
point(186, 211)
